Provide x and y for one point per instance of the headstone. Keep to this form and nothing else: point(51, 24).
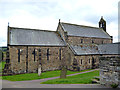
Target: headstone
point(39, 69)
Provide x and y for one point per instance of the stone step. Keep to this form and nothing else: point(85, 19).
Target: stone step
point(97, 77)
point(95, 81)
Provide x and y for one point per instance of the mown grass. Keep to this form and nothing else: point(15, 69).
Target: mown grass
point(84, 78)
point(34, 76)
point(2, 64)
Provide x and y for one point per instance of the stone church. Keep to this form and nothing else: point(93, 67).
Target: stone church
point(29, 48)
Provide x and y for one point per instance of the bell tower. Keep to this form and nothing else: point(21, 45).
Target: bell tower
point(102, 24)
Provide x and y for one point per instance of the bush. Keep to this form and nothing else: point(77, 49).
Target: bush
point(114, 85)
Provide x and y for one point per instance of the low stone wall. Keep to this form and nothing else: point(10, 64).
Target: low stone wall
point(110, 70)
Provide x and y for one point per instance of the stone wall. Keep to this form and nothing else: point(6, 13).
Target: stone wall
point(86, 61)
point(32, 56)
point(15, 66)
point(74, 40)
point(62, 33)
point(82, 61)
point(110, 70)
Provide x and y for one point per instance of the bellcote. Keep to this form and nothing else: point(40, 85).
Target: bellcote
point(102, 24)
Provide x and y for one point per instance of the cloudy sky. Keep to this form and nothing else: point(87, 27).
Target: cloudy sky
point(44, 14)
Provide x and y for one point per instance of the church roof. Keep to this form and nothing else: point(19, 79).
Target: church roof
point(84, 31)
point(93, 49)
point(113, 48)
point(24, 36)
point(85, 49)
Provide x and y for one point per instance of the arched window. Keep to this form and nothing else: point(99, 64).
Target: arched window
point(92, 41)
point(75, 62)
point(48, 54)
point(60, 53)
point(81, 40)
point(102, 42)
point(81, 61)
point(18, 55)
point(34, 53)
point(89, 60)
point(40, 55)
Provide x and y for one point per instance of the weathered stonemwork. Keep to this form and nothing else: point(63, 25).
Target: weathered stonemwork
point(110, 70)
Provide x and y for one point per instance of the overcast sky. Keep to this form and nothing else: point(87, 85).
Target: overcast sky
point(45, 14)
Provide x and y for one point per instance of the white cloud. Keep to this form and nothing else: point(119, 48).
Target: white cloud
point(112, 29)
point(3, 32)
point(44, 14)
point(25, 19)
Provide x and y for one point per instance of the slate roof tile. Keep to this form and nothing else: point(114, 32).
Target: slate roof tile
point(23, 36)
point(85, 49)
point(84, 31)
point(113, 48)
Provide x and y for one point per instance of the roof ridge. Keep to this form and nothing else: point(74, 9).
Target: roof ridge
point(80, 25)
point(32, 29)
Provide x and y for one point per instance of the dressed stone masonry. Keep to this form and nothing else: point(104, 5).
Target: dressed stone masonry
point(110, 70)
point(76, 45)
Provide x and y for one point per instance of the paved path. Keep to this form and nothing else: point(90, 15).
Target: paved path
point(36, 83)
point(45, 79)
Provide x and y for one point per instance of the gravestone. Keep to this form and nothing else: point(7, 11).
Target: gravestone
point(39, 70)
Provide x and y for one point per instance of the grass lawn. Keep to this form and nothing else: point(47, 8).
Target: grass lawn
point(84, 78)
point(2, 64)
point(34, 76)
